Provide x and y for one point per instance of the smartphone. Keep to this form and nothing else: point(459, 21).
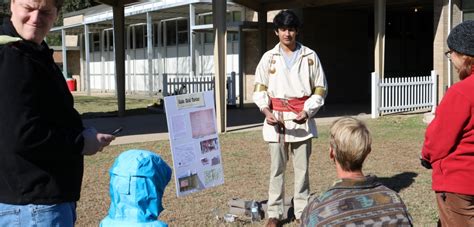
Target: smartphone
point(117, 131)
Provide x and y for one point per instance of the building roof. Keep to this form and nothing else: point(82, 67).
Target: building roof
point(268, 5)
point(101, 16)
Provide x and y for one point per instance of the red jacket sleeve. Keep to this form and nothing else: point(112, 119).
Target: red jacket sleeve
point(446, 130)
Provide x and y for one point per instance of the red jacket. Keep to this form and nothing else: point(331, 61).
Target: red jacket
point(449, 140)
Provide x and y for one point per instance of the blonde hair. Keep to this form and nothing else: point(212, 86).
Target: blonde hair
point(351, 142)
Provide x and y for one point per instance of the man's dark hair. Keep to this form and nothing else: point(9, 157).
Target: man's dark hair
point(286, 19)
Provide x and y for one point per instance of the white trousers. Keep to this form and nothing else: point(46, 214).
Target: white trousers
point(279, 153)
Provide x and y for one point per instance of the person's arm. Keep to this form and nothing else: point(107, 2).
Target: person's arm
point(260, 95)
point(320, 87)
point(445, 131)
point(24, 128)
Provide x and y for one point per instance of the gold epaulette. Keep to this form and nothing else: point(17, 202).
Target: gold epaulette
point(260, 87)
point(319, 91)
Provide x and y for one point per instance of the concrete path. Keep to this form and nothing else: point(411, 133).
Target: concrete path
point(153, 126)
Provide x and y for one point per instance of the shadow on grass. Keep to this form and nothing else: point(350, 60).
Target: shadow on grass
point(399, 181)
point(130, 112)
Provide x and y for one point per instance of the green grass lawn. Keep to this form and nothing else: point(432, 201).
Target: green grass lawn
point(100, 106)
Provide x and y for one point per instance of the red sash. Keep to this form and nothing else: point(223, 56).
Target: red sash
point(288, 105)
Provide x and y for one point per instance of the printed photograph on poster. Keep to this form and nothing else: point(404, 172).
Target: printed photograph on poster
point(209, 145)
point(204, 161)
point(202, 123)
point(212, 175)
point(216, 160)
point(185, 155)
point(190, 182)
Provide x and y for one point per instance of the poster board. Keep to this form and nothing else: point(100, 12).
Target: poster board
point(195, 148)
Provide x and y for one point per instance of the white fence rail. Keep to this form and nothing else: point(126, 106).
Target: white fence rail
point(185, 85)
point(403, 94)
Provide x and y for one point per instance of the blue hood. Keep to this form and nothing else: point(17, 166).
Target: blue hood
point(137, 182)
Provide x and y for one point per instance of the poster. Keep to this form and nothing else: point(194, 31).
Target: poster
point(195, 149)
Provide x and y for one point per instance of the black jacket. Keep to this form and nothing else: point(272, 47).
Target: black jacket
point(40, 142)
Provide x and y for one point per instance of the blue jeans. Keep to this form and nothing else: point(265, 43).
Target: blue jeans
point(63, 215)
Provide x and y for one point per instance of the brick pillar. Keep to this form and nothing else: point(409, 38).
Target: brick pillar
point(440, 23)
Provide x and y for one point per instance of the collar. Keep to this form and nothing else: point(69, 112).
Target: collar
point(369, 181)
point(304, 50)
point(8, 29)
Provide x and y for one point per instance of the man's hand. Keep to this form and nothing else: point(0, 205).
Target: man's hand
point(301, 117)
point(270, 117)
point(95, 142)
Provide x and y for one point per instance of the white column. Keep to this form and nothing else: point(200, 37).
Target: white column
point(375, 95)
point(86, 66)
point(64, 52)
point(434, 78)
point(82, 65)
point(102, 60)
point(128, 73)
point(192, 22)
point(149, 47)
point(159, 56)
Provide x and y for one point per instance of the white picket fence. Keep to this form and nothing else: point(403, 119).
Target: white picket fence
point(185, 85)
point(403, 94)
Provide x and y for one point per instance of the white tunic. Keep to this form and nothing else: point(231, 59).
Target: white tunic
point(304, 76)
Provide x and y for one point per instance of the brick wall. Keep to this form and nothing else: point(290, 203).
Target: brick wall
point(440, 63)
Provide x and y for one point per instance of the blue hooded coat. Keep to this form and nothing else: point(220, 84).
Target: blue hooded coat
point(137, 182)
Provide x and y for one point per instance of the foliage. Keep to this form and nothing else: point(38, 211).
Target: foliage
point(54, 39)
point(4, 9)
point(74, 5)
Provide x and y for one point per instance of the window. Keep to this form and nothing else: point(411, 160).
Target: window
point(176, 29)
point(468, 10)
point(208, 36)
point(182, 31)
point(170, 32)
point(94, 40)
point(155, 35)
point(233, 16)
point(139, 31)
point(108, 40)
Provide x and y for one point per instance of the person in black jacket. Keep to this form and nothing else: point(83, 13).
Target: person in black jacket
point(42, 138)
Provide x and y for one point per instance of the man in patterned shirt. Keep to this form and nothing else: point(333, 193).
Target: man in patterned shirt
point(355, 199)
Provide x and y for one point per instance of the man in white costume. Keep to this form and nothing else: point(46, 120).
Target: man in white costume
point(290, 87)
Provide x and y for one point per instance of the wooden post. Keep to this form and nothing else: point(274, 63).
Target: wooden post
point(220, 54)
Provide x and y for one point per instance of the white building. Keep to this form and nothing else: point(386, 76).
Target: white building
point(180, 44)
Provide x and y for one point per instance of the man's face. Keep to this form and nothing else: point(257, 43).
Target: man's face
point(33, 19)
point(287, 36)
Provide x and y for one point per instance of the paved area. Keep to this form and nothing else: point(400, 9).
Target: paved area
point(153, 126)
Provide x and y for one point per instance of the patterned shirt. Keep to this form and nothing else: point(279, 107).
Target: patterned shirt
point(357, 202)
